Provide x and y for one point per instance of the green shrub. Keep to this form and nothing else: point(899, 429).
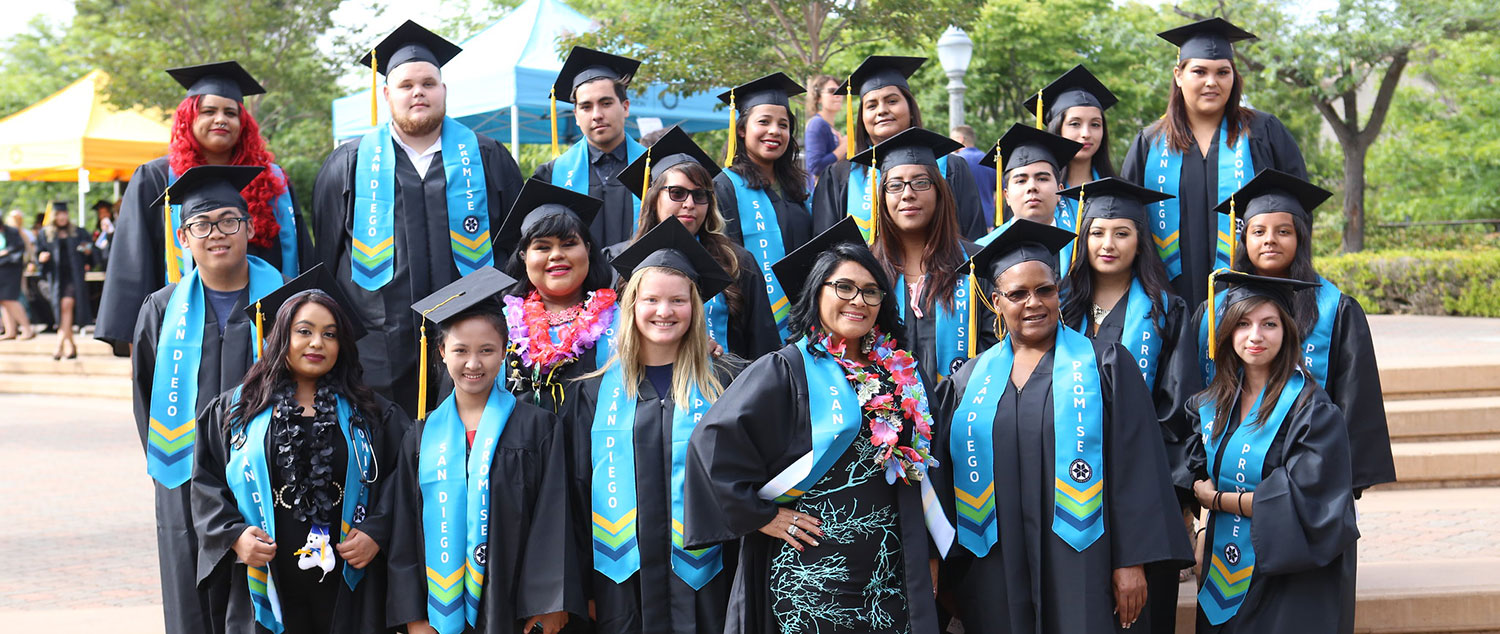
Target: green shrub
point(1419, 281)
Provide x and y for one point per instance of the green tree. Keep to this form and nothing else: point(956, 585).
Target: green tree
point(34, 64)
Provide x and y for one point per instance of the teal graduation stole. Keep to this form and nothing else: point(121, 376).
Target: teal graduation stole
point(694, 567)
point(952, 335)
point(371, 260)
point(571, 170)
point(1319, 342)
point(1140, 334)
point(1205, 364)
point(972, 445)
point(1165, 174)
point(249, 478)
point(861, 206)
point(835, 415)
point(172, 428)
point(617, 552)
point(762, 234)
point(1232, 559)
point(456, 563)
point(285, 214)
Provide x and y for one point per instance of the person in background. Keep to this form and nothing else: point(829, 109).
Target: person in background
point(104, 231)
point(64, 252)
point(14, 251)
point(821, 141)
point(984, 176)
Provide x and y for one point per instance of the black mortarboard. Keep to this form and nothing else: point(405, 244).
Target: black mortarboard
point(1112, 197)
point(1206, 39)
point(673, 148)
point(1077, 87)
point(1273, 190)
point(205, 188)
point(1020, 241)
point(410, 42)
point(539, 199)
point(103, 203)
point(792, 270)
point(585, 65)
point(670, 245)
point(1023, 145)
point(879, 71)
point(776, 89)
point(225, 79)
point(465, 294)
point(912, 146)
point(60, 205)
point(319, 279)
point(1243, 286)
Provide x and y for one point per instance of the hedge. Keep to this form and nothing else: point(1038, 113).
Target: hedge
point(1419, 281)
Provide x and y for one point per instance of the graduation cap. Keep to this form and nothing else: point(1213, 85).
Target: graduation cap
point(1274, 190)
point(1023, 145)
point(879, 71)
point(225, 79)
point(912, 146)
point(775, 89)
point(537, 201)
point(1243, 286)
point(670, 245)
point(410, 42)
point(673, 148)
point(792, 270)
point(317, 279)
point(103, 203)
point(468, 295)
point(60, 205)
point(1020, 241)
point(1206, 39)
point(585, 65)
point(1077, 87)
point(1112, 197)
point(205, 188)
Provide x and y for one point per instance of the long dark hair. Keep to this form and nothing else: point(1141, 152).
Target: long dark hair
point(710, 233)
point(804, 319)
point(862, 136)
point(271, 374)
point(791, 177)
point(941, 256)
point(1147, 267)
point(1305, 302)
point(1225, 386)
point(1175, 123)
point(1101, 161)
point(559, 226)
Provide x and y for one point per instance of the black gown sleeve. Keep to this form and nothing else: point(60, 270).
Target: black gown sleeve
point(386, 437)
point(1177, 380)
point(1304, 510)
point(1134, 167)
point(729, 208)
point(1286, 155)
point(966, 195)
point(331, 201)
point(544, 171)
point(757, 334)
point(550, 570)
point(1354, 386)
point(505, 181)
point(143, 360)
point(406, 589)
point(136, 266)
point(216, 516)
point(830, 197)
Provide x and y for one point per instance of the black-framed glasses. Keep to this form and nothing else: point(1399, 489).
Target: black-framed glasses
point(894, 186)
point(227, 226)
point(847, 291)
point(679, 194)
point(1019, 296)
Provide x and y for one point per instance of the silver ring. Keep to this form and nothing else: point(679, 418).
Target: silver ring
point(796, 518)
point(791, 530)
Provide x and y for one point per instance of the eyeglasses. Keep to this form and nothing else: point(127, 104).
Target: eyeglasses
point(679, 194)
point(917, 185)
point(203, 228)
point(1020, 296)
point(847, 291)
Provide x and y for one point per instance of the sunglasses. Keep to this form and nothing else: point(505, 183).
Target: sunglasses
point(680, 194)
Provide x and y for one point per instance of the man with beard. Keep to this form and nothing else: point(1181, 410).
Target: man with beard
point(410, 207)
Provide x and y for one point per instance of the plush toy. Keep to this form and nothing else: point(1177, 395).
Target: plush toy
point(317, 552)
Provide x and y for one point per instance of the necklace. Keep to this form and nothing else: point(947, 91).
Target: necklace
point(531, 328)
point(887, 409)
point(567, 315)
point(1099, 313)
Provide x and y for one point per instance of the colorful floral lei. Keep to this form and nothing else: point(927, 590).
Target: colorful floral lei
point(886, 410)
point(530, 335)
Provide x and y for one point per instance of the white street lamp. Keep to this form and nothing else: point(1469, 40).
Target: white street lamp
point(954, 50)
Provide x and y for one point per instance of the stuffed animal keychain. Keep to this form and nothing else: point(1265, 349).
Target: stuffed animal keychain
point(317, 552)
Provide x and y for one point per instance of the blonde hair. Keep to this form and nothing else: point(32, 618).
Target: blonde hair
point(692, 366)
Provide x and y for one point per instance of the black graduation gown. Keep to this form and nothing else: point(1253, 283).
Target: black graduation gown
point(1354, 386)
point(1303, 525)
point(66, 269)
point(655, 599)
point(615, 222)
point(219, 523)
point(138, 252)
point(12, 263)
point(921, 333)
point(225, 359)
point(791, 217)
point(1032, 580)
point(831, 198)
point(531, 567)
point(752, 331)
point(759, 427)
point(423, 258)
point(1271, 145)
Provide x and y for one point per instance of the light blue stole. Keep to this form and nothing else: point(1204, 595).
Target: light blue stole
point(172, 428)
point(762, 235)
point(285, 213)
point(456, 563)
point(571, 171)
point(860, 205)
point(952, 335)
point(617, 552)
point(1232, 559)
point(1164, 173)
point(694, 567)
point(1139, 333)
point(835, 416)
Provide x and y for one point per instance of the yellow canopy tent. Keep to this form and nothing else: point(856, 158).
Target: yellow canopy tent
point(75, 135)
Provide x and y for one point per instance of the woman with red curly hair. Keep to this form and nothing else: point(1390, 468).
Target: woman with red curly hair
point(211, 127)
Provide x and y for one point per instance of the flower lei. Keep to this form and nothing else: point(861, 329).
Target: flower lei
point(887, 410)
point(530, 335)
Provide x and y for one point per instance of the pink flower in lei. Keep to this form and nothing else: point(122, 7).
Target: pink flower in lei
point(888, 411)
point(530, 336)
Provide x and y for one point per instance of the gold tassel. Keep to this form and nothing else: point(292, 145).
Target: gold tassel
point(733, 114)
point(552, 96)
point(973, 313)
point(1234, 242)
point(260, 331)
point(874, 204)
point(174, 250)
point(1077, 238)
point(1039, 110)
point(984, 301)
point(646, 184)
point(422, 374)
point(1212, 331)
point(849, 119)
point(374, 85)
point(999, 190)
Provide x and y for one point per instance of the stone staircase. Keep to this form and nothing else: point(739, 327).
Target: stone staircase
point(26, 367)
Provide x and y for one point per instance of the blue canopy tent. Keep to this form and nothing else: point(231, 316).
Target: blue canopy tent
point(499, 85)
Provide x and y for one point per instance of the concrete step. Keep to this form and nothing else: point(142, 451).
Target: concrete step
point(1474, 418)
point(59, 385)
point(1446, 464)
point(46, 344)
point(35, 364)
point(1433, 379)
